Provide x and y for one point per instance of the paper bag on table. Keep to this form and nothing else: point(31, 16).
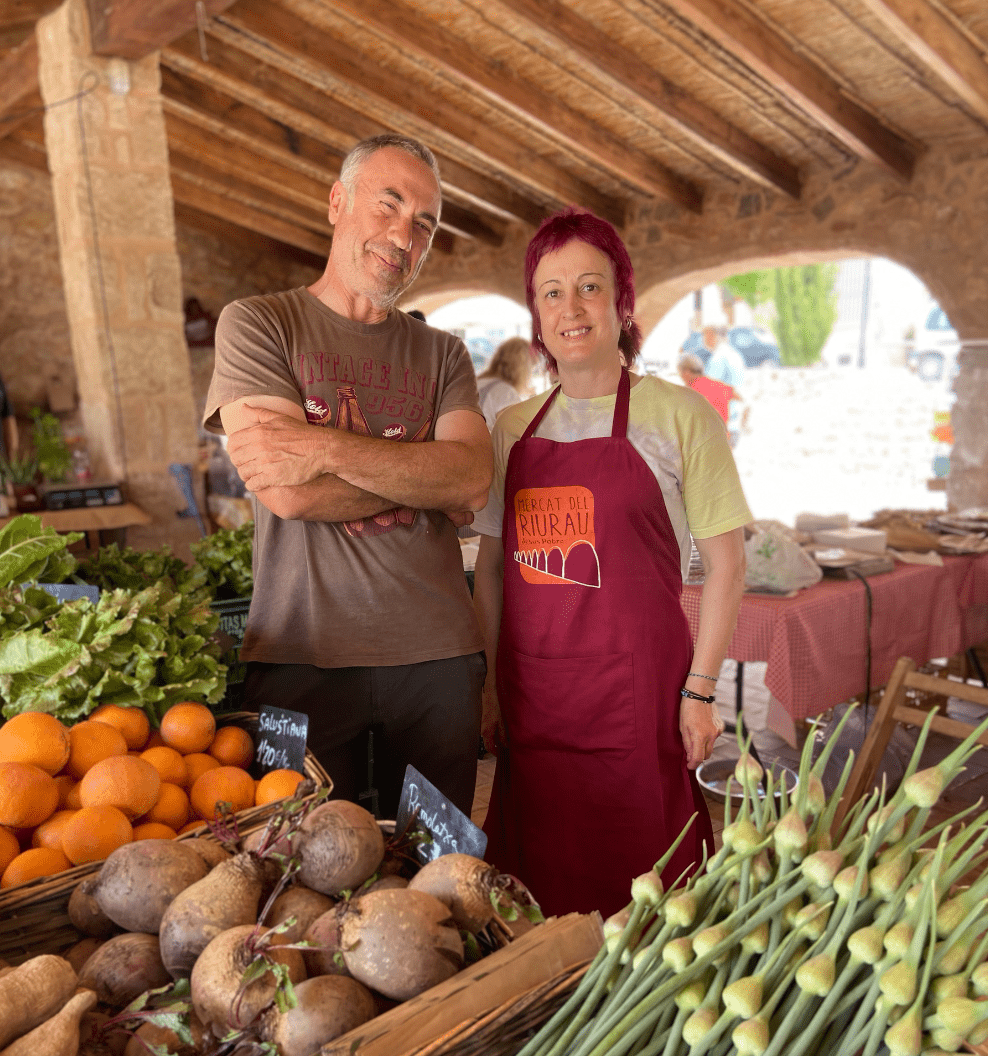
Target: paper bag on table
point(778, 564)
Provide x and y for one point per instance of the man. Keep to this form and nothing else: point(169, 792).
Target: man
point(355, 426)
point(716, 392)
point(726, 365)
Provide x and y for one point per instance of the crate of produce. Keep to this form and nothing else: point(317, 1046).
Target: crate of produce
point(34, 915)
point(488, 1008)
point(233, 616)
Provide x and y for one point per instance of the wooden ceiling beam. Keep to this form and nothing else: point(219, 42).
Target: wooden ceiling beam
point(245, 192)
point(18, 83)
point(237, 160)
point(500, 86)
point(293, 103)
point(940, 46)
point(24, 152)
point(200, 195)
point(797, 79)
point(255, 244)
point(278, 37)
point(132, 29)
point(230, 121)
point(625, 69)
point(462, 222)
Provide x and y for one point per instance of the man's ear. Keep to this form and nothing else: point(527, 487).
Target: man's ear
point(337, 201)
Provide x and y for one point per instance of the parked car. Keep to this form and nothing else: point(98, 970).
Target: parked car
point(757, 346)
point(935, 356)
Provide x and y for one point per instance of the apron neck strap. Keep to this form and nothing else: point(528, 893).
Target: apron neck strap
point(619, 425)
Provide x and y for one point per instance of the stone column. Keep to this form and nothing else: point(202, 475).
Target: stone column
point(109, 164)
point(967, 484)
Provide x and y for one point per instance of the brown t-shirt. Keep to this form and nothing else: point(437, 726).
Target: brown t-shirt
point(378, 592)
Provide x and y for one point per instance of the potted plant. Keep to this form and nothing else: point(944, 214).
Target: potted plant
point(20, 475)
point(53, 454)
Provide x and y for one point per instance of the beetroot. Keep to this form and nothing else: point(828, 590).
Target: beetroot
point(400, 942)
point(123, 968)
point(138, 881)
point(339, 845)
point(327, 1007)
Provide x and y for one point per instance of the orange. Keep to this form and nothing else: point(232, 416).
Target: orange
point(65, 783)
point(172, 807)
point(188, 727)
point(29, 865)
point(93, 833)
point(123, 781)
point(232, 746)
point(37, 738)
point(153, 830)
point(132, 722)
point(28, 795)
point(10, 848)
point(169, 764)
point(225, 784)
point(49, 833)
point(92, 742)
point(196, 765)
point(190, 825)
point(155, 740)
point(276, 784)
point(73, 800)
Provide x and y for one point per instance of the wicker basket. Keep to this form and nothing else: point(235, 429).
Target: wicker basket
point(504, 1030)
point(34, 916)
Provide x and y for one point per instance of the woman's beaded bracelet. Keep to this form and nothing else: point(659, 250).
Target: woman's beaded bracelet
point(684, 692)
point(709, 678)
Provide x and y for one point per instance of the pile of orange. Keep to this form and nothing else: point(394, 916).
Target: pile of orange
point(73, 794)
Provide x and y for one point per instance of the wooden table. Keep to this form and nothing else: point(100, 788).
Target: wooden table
point(93, 520)
point(816, 644)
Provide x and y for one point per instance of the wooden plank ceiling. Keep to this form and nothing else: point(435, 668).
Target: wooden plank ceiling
point(529, 104)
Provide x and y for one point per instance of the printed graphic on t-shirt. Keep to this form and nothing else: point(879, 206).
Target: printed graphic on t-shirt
point(555, 536)
point(350, 417)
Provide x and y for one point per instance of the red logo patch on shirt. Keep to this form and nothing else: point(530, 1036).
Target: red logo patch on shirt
point(316, 410)
point(395, 431)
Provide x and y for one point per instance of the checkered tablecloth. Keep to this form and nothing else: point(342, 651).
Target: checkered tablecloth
point(816, 643)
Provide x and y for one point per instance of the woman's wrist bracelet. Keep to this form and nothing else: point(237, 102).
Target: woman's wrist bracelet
point(709, 678)
point(684, 692)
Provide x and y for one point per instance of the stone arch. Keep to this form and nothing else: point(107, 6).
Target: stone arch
point(431, 300)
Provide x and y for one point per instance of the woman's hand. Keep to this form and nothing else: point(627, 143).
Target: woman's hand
point(700, 726)
point(491, 723)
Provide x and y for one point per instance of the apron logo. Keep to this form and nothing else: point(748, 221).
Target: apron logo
point(556, 542)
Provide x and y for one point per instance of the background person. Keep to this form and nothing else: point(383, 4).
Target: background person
point(690, 369)
point(355, 426)
point(585, 544)
point(506, 377)
point(726, 365)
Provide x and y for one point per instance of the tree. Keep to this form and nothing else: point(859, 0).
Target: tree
point(752, 287)
point(806, 308)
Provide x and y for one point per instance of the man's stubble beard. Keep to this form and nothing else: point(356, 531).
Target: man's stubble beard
point(386, 299)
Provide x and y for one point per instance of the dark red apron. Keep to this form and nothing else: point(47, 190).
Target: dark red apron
point(594, 648)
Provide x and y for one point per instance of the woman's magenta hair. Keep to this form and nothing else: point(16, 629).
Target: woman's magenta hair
point(575, 224)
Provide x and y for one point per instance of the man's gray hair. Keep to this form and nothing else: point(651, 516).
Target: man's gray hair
point(366, 147)
point(691, 362)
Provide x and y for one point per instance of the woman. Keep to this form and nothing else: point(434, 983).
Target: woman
point(598, 704)
point(505, 379)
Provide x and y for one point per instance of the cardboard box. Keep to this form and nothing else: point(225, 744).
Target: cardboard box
point(454, 1007)
point(863, 540)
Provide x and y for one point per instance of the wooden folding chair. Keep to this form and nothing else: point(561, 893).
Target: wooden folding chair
point(892, 709)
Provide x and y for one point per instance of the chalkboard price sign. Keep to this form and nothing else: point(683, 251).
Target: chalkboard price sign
point(281, 738)
point(451, 830)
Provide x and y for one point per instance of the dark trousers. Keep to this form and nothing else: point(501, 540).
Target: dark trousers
point(426, 714)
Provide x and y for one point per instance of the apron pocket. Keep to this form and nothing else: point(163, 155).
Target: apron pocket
point(569, 704)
